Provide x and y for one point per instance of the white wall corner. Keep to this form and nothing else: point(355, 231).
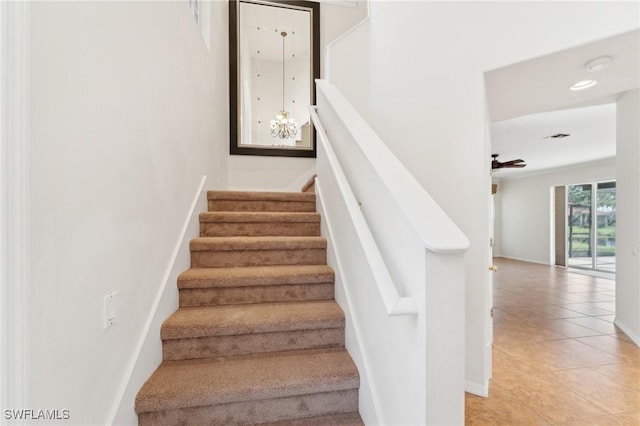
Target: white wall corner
point(148, 352)
point(628, 211)
point(628, 332)
point(14, 205)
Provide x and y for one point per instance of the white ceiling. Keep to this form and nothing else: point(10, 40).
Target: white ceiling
point(592, 129)
point(262, 24)
point(530, 100)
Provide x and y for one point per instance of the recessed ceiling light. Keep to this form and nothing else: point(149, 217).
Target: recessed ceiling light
point(598, 64)
point(584, 84)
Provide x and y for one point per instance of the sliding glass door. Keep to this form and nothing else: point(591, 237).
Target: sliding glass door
point(579, 229)
point(606, 227)
point(591, 226)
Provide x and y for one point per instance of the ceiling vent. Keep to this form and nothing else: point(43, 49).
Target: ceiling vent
point(558, 136)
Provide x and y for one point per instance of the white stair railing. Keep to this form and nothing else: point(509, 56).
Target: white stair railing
point(399, 263)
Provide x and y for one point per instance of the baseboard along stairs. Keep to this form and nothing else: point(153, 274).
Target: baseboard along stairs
point(258, 337)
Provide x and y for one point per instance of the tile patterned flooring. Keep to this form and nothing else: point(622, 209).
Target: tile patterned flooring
point(557, 357)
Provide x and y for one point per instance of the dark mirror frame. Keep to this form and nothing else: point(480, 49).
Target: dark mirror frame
point(235, 148)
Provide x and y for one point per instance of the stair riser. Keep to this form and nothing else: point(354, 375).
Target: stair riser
point(351, 418)
point(255, 294)
point(242, 344)
point(286, 229)
point(251, 412)
point(227, 258)
point(261, 206)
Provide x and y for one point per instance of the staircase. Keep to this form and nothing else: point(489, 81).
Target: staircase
point(258, 337)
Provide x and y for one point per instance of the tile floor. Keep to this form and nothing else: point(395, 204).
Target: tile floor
point(557, 357)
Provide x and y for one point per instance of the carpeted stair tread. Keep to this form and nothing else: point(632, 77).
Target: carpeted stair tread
point(351, 418)
point(191, 383)
point(253, 412)
point(276, 217)
point(255, 276)
point(255, 284)
point(259, 223)
point(256, 243)
point(260, 196)
point(261, 201)
point(228, 320)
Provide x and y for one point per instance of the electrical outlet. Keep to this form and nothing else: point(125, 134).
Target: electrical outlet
point(109, 309)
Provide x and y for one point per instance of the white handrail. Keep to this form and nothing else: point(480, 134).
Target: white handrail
point(394, 303)
point(438, 232)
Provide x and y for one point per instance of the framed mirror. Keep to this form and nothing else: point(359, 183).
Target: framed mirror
point(274, 59)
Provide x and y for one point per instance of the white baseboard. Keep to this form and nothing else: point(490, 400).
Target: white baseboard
point(477, 389)
point(628, 332)
point(521, 259)
point(131, 383)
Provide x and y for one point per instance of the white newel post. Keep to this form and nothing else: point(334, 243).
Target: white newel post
point(445, 338)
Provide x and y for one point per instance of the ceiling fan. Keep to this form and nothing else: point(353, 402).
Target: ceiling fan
point(495, 164)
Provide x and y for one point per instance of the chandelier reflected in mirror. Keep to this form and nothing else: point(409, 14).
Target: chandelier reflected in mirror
point(283, 127)
point(274, 60)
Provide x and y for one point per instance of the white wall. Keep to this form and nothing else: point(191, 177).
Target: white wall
point(415, 71)
point(127, 116)
point(628, 215)
point(257, 173)
point(524, 204)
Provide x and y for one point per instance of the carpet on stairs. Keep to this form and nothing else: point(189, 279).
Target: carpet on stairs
point(258, 337)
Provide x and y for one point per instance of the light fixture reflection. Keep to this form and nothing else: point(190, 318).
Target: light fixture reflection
point(283, 127)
